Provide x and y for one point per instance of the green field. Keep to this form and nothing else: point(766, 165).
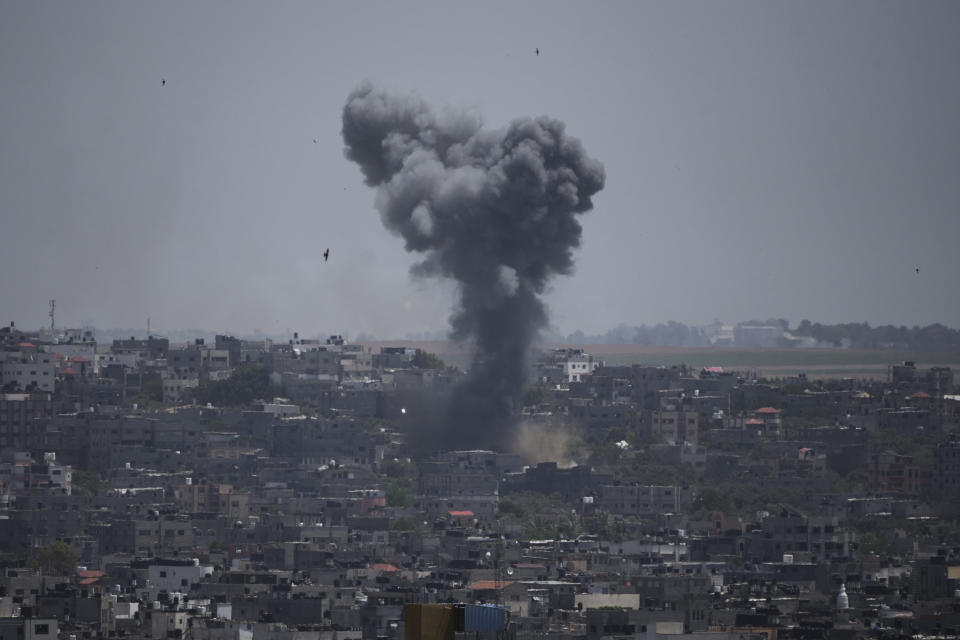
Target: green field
point(740, 357)
point(774, 362)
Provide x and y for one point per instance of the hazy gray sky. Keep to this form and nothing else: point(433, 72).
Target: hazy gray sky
point(790, 159)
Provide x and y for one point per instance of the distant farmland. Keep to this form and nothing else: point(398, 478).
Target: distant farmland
point(828, 363)
point(774, 362)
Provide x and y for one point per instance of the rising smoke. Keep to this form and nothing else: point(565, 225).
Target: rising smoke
point(493, 210)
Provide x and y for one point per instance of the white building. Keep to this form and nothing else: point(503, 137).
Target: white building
point(578, 364)
point(176, 575)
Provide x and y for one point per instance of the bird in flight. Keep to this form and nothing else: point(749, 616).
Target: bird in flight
point(163, 82)
point(918, 269)
point(537, 50)
point(314, 141)
point(326, 255)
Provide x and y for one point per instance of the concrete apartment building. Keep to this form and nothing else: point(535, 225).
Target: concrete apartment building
point(27, 370)
point(673, 424)
point(22, 419)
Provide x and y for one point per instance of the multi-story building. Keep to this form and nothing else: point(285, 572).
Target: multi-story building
point(674, 423)
point(233, 347)
point(938, 381)
point(23, 417)
point(46, 518)
point(946, 467)
point(890, 472)
point(29, 628)
point(594, 415)
point(647, 381)
point(470, 474)
point(22, 474)
point(28, 370)
point(185, 363)
point(576, 363)
point(314, 361)
point(212, 497)
point(639, 500)
point(105, 362)
point(150, 348)
point(792, 532)
point(10, 336)
point(173, 575)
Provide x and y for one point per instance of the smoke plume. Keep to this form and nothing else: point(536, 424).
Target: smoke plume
point(493, 210)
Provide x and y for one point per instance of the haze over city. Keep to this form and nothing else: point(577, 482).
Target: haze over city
point(184, 162)
point(501, 321)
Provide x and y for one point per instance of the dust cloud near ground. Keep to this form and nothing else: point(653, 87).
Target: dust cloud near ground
point(537, 441)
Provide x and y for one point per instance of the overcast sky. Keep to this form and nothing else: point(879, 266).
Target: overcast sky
point(789, 159)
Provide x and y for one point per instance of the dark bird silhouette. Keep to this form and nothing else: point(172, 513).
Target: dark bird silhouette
point(537, 50)
point(918, 269)
point(314, 141)
point(163, 82)
point(326, 255)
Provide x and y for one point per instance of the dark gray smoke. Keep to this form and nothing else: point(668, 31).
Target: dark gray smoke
point(493, 210)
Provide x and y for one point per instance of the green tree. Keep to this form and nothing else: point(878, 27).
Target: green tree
point(647, 468)
point(875, 542)
point(151, 390)
point(609, 528)
point(711, 499)
point(540, 527)
point(406, 523)
point(425, 360)
point(86, 484)
point(509, 509)
point(246, 384)
point(569, 525)
point(399, 495)
point(56, 559)
point(399, 469)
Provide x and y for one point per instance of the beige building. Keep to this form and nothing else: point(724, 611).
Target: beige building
point(203, 497)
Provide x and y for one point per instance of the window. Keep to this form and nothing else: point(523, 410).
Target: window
point(41, 629)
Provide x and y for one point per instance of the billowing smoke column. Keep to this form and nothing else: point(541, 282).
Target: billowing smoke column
point(493, 210)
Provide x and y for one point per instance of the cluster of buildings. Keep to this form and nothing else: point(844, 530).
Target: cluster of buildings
point(129, 510)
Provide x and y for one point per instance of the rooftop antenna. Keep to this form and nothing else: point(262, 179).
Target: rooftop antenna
point(148, 326)
point(53, 305)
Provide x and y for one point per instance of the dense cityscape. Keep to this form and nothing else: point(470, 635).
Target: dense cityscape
point(310, 320)
point(285, 490)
